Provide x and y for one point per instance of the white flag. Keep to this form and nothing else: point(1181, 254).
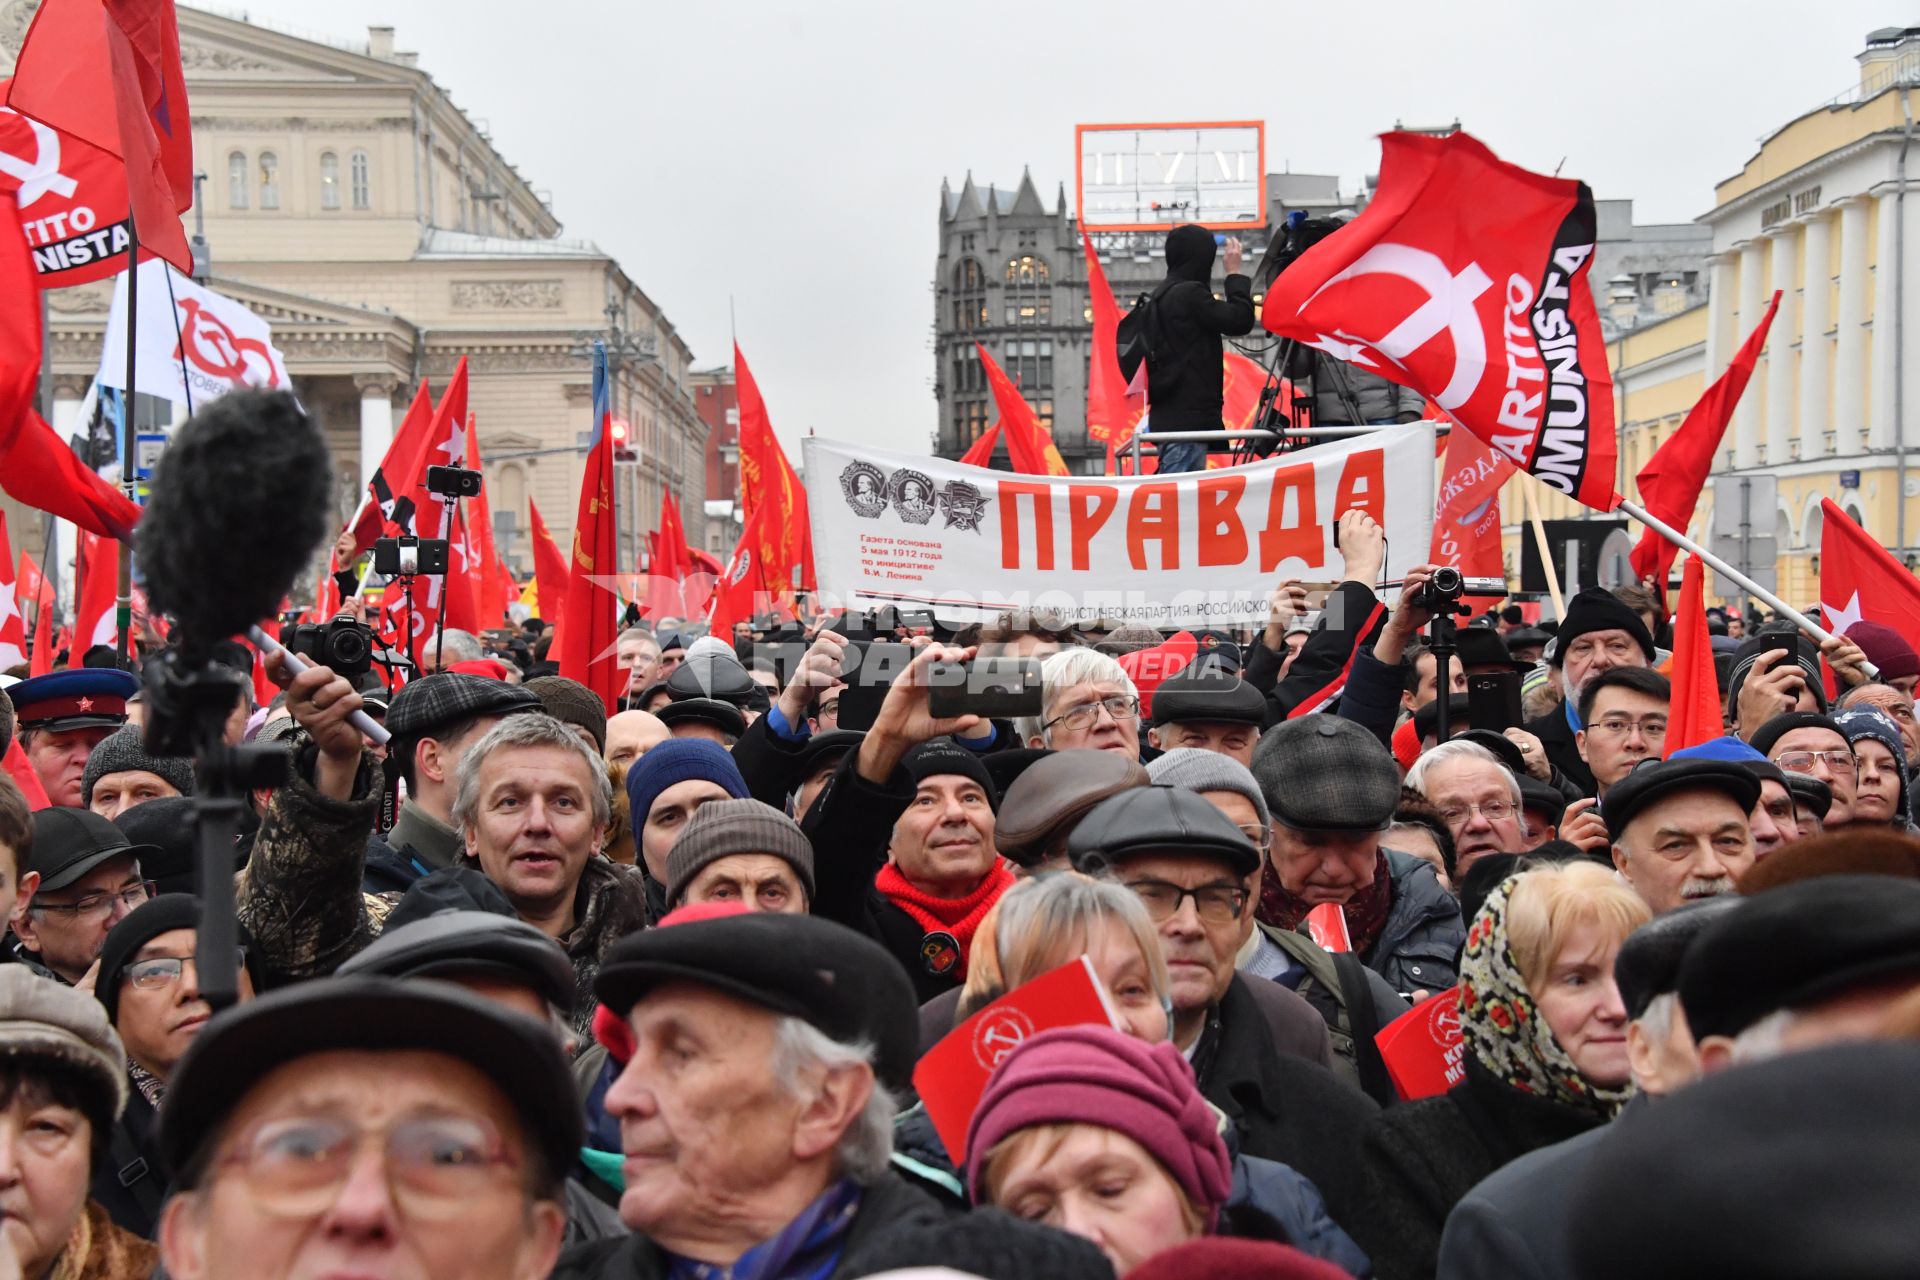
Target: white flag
point(194, 344)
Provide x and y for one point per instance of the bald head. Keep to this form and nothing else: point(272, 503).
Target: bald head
point(631, 734)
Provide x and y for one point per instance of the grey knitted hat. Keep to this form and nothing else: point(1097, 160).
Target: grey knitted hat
point(1197, 769)
point(124, 751)
point(720, 828)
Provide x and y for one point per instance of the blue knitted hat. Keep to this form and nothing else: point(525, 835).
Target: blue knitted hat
point(674, 761)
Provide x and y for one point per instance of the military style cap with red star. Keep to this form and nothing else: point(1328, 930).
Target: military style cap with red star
point(85, 698)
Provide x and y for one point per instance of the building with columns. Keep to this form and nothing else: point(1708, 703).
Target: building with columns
point(351, 202)
point(1827, 212)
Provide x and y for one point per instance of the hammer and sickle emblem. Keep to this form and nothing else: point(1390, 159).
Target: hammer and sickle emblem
point(1448, 308)
point(209, 343)
point(42, 174)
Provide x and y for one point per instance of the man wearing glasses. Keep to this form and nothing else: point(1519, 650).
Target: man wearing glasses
point(1623, 714)
point(1476, 796)
point(368, 1126)
point(1806, 742)
point(89, 880)
point(1087, 701)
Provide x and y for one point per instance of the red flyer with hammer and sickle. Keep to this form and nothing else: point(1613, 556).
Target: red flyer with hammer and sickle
point(954, 1073)
point(1422, 1048)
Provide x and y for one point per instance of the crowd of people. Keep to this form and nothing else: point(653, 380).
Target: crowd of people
point(534, 989)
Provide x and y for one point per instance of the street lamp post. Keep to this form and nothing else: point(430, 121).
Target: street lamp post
point(626, 351)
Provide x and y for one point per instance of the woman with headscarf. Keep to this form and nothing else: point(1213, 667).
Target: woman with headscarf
point(1546, 1056)
point(1881, 783)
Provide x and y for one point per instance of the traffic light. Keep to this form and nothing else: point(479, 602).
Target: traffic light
point(623, 441)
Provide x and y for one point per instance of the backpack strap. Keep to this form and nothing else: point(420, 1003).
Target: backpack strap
point(1364, 1019)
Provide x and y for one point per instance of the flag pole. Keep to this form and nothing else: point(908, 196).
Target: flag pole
point(1540, 541)
point(1758, 592)
point(123, 604)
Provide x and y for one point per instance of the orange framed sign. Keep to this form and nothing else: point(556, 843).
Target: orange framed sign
point(1148, 177)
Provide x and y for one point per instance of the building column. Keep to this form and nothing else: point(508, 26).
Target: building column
point(1746, 417)
point(376, 420)
point(1850, 345)
point(1723, 287)
point(1780, 346)
point(1815, 317)
point(1886, 360)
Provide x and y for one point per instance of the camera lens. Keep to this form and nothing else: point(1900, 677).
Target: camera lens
point(1446, 581)
point(350, 648)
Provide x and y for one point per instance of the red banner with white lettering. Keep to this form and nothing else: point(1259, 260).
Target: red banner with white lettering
point(1466, 515)
point(73, 200)
point(1466, 279)
point(1423, 1050)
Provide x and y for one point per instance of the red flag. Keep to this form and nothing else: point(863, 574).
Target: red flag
point(1695, 715)
point(108, 72)
point(1029, 445)
point(590, 627)
point(34, 588)
point(21, 770)
point(671, 565)
point(766, 477)
point(980, 452)
point(745, 589)
point(73, 201)
point(13, 625)
point(94, 621)
point(549, 569)
point(1111, 417)
point(36, 466)
point(1466, 517)
point(1672, 479)
point(491, 583)
point(443, 445)
point(389, 504)
point(1422, 1049)
point(1465, 279)
point(1860, 581)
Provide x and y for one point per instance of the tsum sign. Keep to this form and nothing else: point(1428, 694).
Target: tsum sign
point(1148, 177)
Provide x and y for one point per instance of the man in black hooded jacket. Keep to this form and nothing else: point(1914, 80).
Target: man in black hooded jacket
point(1184, 372)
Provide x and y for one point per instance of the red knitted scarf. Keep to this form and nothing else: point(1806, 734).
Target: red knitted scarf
point(958, 916)
point(1366, 911)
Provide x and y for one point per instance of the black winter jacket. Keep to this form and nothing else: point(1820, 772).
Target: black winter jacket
point(1184, 381)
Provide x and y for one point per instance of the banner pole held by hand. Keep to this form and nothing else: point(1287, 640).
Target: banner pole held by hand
point(296, 664)
point(1540, 541)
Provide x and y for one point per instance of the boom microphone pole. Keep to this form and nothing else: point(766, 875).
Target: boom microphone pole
point(239, 504)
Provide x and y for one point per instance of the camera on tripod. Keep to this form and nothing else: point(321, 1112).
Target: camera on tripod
point(340, 643)
point(1447, 585)
point(453, 482)
point(408, 556)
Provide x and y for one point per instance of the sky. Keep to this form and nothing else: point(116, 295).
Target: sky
point(778, 165)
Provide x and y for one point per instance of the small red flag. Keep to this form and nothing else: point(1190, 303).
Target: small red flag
point(21, 770)
point(108, 72)
point(768, 478)
point(590, 628)
point(94, 620)
point(1860, 581)
point(549, 569)
point(671, 564)
point(1029, 444)
point(1465, 279)
point(1466, 517)
point(444, 444)
point(1673, 478)
point(745, 589)
point(1111, 416)
point(1695, 715)
point(488, 577)
point(1423, 1050)
point(13, 624)
point(389, 506)
point(980, 452)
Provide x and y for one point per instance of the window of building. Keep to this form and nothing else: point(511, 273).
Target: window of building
point(269, 180)
point(1029, 291)
point(237, 180)
point(970, 296)
point(360, 173)
point(970, 421)
point(329, 180)
point(1043, 410)
point(1030, 363)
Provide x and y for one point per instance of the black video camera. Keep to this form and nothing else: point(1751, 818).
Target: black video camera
point(1447, 585)
point(409, 556)
point(341, 644)
point(453, 482)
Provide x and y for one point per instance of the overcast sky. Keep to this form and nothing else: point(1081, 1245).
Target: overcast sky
point(789, 156)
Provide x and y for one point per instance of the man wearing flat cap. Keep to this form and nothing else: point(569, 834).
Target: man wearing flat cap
point(1680, 829)
point(756, 1111)
point(1809, 963)
point(368, 1126)
point(1514, 1223)
point(1209, 708)
point(1775, 820)
point(62, 717)
point(434, 720)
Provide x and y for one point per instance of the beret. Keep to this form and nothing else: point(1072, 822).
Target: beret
point(1733, 750)
point(1054, 793)
point(1324, 773)
point(1159, 819)
point(437, 701)
point(571, 702)
point(1655, 780)
point(839, 981)
point(1648, 962)
point(1797, 945)
point(1201, 693)
point(468, 942)
point(371, 1014)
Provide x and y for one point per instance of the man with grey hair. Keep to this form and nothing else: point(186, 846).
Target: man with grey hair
point(756, 1111)
point(532, 807)
point(441, 650)
point(1476, 796)
point(1087, 700)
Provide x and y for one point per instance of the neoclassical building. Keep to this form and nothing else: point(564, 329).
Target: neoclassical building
point(347, 199)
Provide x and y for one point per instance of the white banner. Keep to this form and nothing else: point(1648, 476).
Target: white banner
point(194, 344)
point(1199, 549)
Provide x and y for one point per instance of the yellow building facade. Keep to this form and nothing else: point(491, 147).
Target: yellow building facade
point(1827, 212)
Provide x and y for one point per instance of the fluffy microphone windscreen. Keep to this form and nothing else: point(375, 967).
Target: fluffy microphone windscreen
point(240, 501)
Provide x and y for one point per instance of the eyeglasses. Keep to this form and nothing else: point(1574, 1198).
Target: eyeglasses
point(1213, 903)
point(1803, 761)
point(1261, 837)
point(435, 1164)
point(1653, 729)
point(164, 971)
point(1120, 706)
point(95, 905)
point(1493, 811)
